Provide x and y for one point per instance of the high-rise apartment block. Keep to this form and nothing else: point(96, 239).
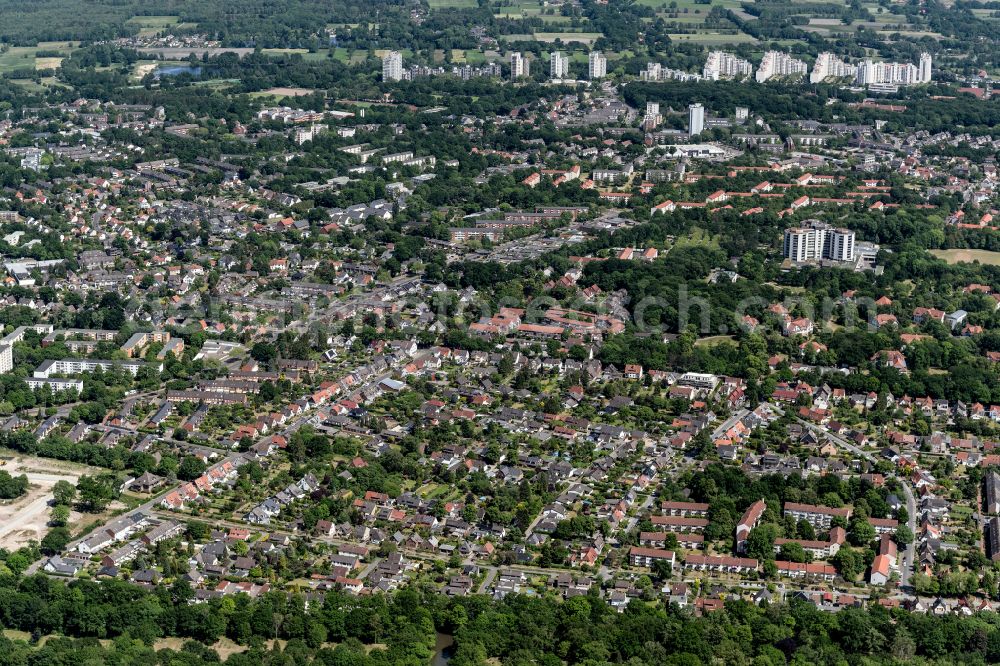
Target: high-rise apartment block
point(558, 65)
point(818, 240)
point(392, 66)
point(520, 67)
point(828, 65)
point(776, 63)
point(696, 119)
point(598, 65)
point(723, 65)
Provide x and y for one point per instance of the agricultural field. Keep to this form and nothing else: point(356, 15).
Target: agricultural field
point(582, 37)
point(452, 4)
point(714, 38)
point(689, 6)
point(25, 57)
point(463, 56)
point(319, 54)
point(152, 25)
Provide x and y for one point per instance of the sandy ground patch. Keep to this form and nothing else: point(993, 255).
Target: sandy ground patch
point(26, 518)
point(144, 69)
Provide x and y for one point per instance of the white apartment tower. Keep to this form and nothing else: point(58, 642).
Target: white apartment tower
point(818, 240)
point(652, 118)
point(558, 65)
point(894, 73)
point(776, 63)
point(723, 65)
point(598, 66)
point(828, 65)
point(925, 68)
point(392, 66)
point(696, 119)
point(519, 66)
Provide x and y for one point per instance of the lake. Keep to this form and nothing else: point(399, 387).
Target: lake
point(177, 70)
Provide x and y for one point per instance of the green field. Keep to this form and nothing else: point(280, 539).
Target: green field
point(24, 57)
point(713, 38)
point(958, 256)
point(462, 57)
point(452, 4)
point(583, 37)
point(151, 25)
point(45, 83)
point(689, 5)
point(318, 54)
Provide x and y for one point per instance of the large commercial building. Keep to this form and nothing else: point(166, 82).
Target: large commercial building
point(519, 66)
point(776, 63)
point(392, 66)
point(598, 65)
point(817, 241)
point(828, 65)
point(696, 119)
point(558, 65)
point(724, 65)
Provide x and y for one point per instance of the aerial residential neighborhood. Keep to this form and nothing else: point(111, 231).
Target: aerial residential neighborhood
point(499, 333)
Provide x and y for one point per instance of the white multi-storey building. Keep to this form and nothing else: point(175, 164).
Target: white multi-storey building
point(558, 65)
point(894, 73)
point(776, 63)
point(828, 65)
point(392, 66)
point(924, 73)
point(652, 118)
point(598, 65)
point(818, 240)
point(519, 66)
point(724, 65)
point(75, 366)
point(696, 119)
point(656, 72)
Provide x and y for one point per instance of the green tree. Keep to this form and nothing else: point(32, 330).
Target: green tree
point(64, 492)
point(95, 493)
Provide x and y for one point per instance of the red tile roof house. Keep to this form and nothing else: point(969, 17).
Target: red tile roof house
point(749, 521)
point(819, 517)
point(644, 557)
point(680, 523)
